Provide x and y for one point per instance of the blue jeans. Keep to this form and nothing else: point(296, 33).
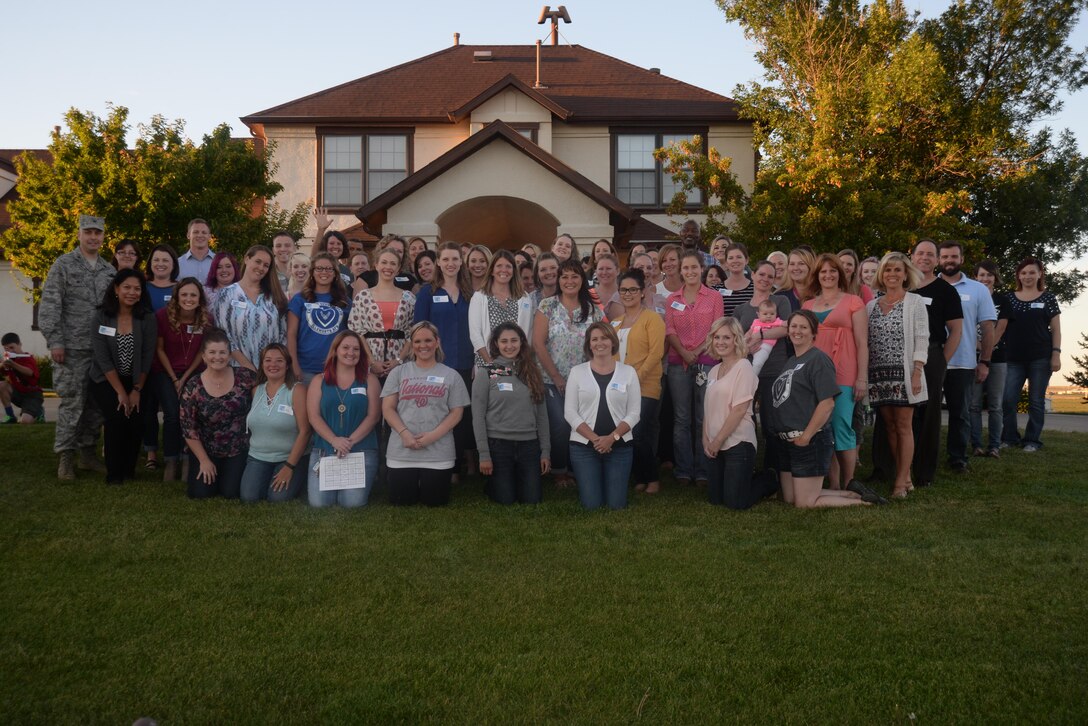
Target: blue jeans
point(516, 475)
point(645, 466)
point(559, 429)
point(958, 383)
point(228, 477)
point(732, 479)
point(257, 481)
point(994, 389)
point(1037, 374)
point(167, 397)
point(343, 497)
point(687, 431)
point(602, 478)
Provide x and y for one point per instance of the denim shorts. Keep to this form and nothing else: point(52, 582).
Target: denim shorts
point(808, 461)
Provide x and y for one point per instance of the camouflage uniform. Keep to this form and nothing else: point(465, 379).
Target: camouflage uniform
point(72, 291)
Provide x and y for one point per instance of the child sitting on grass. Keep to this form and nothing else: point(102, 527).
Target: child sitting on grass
point(766, 320)
point(20, 387)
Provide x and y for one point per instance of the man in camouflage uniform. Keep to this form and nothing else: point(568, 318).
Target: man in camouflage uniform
point(75, 286)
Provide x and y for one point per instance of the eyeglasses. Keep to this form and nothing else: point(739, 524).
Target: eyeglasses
point(630, 290)
point(324, 269)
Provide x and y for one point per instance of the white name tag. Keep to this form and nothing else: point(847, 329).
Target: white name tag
point(660, 310)
point(435, 379)
point(1037, 306)
point(240, 304)
point(616, 323)
point(440, 298)
point(621, 387)
point(193, 330)
point(799, 366)
point(401, 278)
point(315, 305)
point(284, 408)
point(678, 306)
point(927, 300)
point(358, 390)
point(726, 291)
point(107, 331)
point(167, 298)
point(965, 297)
point(506, 386)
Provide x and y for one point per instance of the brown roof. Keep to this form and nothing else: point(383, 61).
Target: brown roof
point(373, 213)
point(8, 155)
point(590, 86)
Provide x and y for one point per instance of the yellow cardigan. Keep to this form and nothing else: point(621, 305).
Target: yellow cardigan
point(646, 350)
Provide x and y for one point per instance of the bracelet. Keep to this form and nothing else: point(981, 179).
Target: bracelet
point(137, 388)
point(984, 363)
point(1055, 350)
point(288, 465)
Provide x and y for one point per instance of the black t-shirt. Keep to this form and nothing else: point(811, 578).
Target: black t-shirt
point(804, 382)
point(1001, 305)
point(604, 425)
point(1028, 336)
point(403, 280)
point(942, 305)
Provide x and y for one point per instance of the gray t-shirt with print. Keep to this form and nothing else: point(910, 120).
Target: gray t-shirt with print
point(804, 382)
point(426, 396)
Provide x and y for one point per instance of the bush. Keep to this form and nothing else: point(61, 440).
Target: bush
point(45, 368)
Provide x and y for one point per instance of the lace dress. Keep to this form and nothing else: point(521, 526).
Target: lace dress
point(887, 386)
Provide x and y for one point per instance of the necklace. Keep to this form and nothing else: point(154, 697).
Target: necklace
point(342, 408)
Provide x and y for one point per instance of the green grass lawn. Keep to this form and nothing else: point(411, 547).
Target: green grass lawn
point(964, 604)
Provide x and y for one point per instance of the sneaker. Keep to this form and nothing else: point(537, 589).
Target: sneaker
point(40, 418)
point(1005, 445)
point(993, 454)
point(9, 420)
point(867, 494)
point(1030, 448)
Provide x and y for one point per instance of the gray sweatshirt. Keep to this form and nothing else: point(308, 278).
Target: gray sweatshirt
point(503, 409)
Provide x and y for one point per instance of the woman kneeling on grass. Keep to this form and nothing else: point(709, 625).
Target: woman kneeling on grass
point(603, 401)
point(422, 401)
point(729, 432)
point(802, 401)
point(279, 432)
point(343, 407)
point(510, 419)
point(214, 406)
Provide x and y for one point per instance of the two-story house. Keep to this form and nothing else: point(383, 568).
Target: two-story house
point(499, 145)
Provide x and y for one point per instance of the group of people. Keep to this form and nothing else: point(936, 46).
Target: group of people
point(517, 364)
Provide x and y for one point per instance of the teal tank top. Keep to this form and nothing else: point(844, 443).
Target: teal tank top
point(272, 426)
point(356, 405)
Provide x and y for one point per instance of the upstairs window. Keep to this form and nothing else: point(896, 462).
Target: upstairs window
point(638, 179)
point(356, 168)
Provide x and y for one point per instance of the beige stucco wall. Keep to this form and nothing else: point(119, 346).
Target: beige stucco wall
point(586, 149)
point(499, 170)
point(16, 314)
point(514, 107)
point(735, 141)
point(431, 141)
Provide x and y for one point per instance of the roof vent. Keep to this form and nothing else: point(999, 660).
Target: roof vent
point(481, 56)
point(655, 71)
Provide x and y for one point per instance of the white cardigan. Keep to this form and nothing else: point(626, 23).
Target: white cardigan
point(479, 322)
point(915, 340)
point(584, 396)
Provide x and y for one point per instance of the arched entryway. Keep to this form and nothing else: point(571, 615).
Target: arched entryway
point(498, 222)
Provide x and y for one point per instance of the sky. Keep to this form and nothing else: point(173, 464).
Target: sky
point(213, 62)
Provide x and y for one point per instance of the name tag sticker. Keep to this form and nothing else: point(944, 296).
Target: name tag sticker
point(436, 379)
point(284, 408)
point(799, 366)
point(316, 305)
point(678, 306)
point(401, 278)
point(441, 298)
point(927, 300)
point(193, 330)
point(660, 310)
point(359, 390)
point(621, 387)
point(167, 298)
point(240, 304)
point(1037, 306)
point(107, 331)
point(965, 297)
point(506, 386)
point(616, 323)
point(726, 291)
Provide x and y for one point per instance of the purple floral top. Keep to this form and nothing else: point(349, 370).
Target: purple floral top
point(218, 423)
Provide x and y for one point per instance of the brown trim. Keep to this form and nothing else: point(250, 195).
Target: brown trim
point(507, 81)
point(373, 213)
point(364, 131)
point(534, 128)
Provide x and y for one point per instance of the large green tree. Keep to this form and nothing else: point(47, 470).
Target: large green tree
point(147, 191)
point(876, 128)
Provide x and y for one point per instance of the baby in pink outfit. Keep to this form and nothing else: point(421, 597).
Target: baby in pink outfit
point(766, 320)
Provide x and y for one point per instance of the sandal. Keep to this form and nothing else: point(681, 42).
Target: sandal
point(653, 487)
point(151, 464)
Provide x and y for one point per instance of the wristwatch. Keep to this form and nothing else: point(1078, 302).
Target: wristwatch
point(137, 388)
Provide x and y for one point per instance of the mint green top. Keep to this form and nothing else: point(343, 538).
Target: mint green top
point(272, 426)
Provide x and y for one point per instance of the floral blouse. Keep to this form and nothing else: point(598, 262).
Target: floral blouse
point(566, 336)
point(218, 423)
point(250, 326)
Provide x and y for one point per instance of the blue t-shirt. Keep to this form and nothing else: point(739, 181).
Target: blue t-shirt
point(159, 295)
point(318, 324)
